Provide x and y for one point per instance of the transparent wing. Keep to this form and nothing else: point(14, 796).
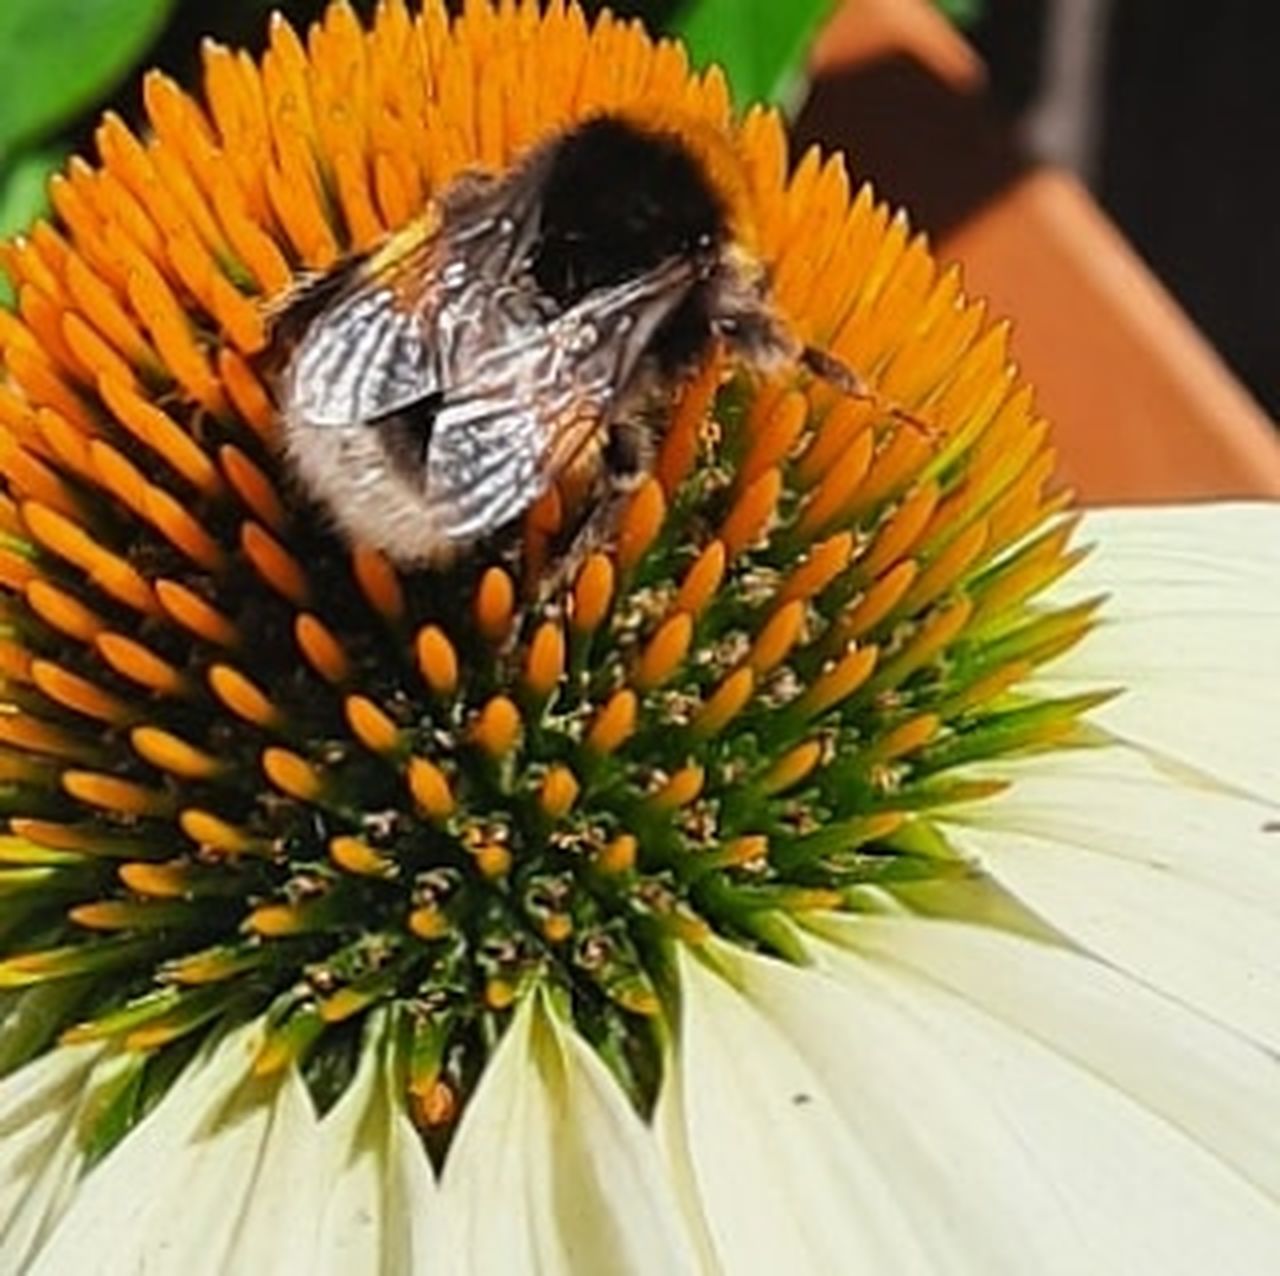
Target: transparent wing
point(362, 359)
point(496, 447)
point(381, 334)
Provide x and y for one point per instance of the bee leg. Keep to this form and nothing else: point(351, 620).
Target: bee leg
point(835, 372)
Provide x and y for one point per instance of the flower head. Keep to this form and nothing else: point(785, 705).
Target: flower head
point(323, 858)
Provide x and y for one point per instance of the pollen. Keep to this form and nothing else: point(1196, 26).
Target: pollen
point(252, 769)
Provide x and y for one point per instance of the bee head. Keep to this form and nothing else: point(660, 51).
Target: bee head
point(620, 198)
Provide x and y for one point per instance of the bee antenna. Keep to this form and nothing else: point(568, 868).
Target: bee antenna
point(835, 372)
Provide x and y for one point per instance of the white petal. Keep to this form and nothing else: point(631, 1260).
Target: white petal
point(277, 1232)
point(169, 1197)
point(379, 1213)
point(1147, 1122)
point(776, 1171)
point(1191, 631)
point(552, 1171)
point(40, 1105)
point(1003, 1155)
point(1201, 1078)
point(1179, 885)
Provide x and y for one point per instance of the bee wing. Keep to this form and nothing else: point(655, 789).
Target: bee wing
point(375, 335)
point(489, 457)
point(497, 447)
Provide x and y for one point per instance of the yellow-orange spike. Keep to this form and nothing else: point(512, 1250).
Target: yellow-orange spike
point(742, 852)
point(378, 583)
point(664, 652)
point(114, 794)
point(558, 792)
point(118, 475)
point(790, 769)
point(836, 495)
point(679, 450)
point(593, 593)
point(825, 562)
point(130, 659)
point(162, 315)
point(108, 571)
point(252, 486)
point(544, 665)
point(321, 650)
point(702, 580)
point(30, 478)
point(901, 530)
point(353, 855)
point(905, 738)
point(161, 434)
point(495, 602)
point(79, 694)
point(177, 526)
point(71, 449)
point(839, 682)
point(244, 697)
point(169, 753)
point(986, 689)
point(683, 787)
point(430, 789)
point(640, 525)
point(748, 520)
point(211, 832)
point(777, 436)
point(614, 723)
point(437, 660)
point(892, 471)
point(774, 641)
point(293, 775)
point(274, 564)
point(16, 572)
point(948, 568)
point(277, 921)
point(63, 612)
point(618, 856)
point(371, 725)
point(246, 392)
point(428, 923)
point(492, 860)
point(33, 735)
point(725, 703)
point(556, 927)
point(157, 881)
point(839, 430)
point(934, 636)
point(497, 727)
point(106, 914)
point(194, 614)
point(879, 601)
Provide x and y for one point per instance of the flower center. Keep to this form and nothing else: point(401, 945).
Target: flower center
point(249, 772)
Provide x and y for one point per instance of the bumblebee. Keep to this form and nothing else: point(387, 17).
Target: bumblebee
point(523, 332)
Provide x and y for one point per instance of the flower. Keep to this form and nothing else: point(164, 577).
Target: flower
point(789, 890)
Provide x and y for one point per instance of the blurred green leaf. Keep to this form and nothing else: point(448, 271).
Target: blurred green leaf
point(58, 57)
point(23, 197)
point(964, 13)
point(763, 45)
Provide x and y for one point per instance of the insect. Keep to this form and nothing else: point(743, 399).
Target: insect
point(526, 330)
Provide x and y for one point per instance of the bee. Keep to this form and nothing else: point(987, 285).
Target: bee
point(527, 330)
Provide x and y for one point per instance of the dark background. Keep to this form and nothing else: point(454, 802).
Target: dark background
point(1186, 152)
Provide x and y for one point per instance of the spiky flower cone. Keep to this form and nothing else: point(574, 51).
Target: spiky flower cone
point(734, 903)
point(248, 771)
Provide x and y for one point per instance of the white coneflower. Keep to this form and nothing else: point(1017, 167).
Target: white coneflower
point(830, 880)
